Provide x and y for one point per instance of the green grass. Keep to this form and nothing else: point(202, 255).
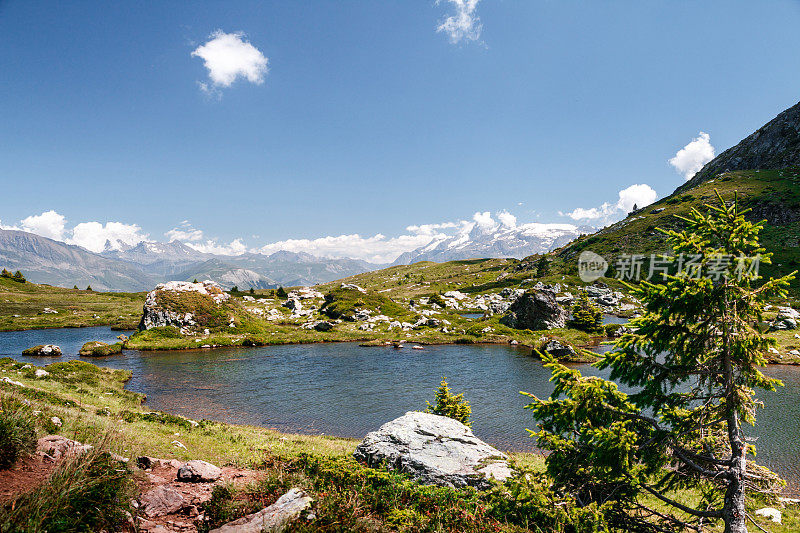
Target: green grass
point(22, 307)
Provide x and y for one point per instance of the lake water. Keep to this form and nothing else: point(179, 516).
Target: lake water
point(346, 390)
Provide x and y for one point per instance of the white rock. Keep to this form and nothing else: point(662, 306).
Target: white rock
point(41, 373)
point(771, 513)
point(273, 518)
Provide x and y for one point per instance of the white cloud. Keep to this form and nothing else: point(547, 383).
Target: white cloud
point(431, 229)
point(484, 220)
point(691, 158)
point(235, 247)
point(464, 24)
point(227, 56)
point(593, 213)
point(184, 232)
point(639, 195)
point(49, 224)
point(507, 219)
point(94, 235)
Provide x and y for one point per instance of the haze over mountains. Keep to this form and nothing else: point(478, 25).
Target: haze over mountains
point(140, 267)
point(121, 267)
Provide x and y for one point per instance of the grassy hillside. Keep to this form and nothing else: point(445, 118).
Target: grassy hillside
point(773, 195)
point(22, 306)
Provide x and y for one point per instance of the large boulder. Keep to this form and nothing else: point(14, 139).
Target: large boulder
point(536, 310)
point(184, 305)
point(273, 518)
point(787, 319)
point(434, 450)
point(45, 350)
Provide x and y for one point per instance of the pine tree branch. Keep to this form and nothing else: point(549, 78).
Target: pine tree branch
point(702, 514)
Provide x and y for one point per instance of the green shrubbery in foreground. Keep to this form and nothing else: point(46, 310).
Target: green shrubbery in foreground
point(17, 431)
point(90, 491)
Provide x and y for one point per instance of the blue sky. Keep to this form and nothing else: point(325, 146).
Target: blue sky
point(368, 119)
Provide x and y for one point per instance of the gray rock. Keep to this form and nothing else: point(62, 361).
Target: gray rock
point(536, 311)
point(558, 350)
point(198, 471)
point(161, 501)
point(323, 325)
point(273, 518)
point(434, 450)
point(787, 319)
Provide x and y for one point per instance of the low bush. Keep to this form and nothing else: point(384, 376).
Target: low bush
point(17, 431)
point(450, 405)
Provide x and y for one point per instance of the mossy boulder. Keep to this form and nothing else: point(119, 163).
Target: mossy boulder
point(183, 305)
point(100, 349)
point(46, 350)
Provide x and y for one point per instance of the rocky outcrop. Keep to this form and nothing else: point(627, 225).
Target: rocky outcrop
point(536, 310)
point(46, 350)
point(172, 303)
point(787, 319)
point(198, 471)
point(274, 518)
point(434, 450)
point(775, 145)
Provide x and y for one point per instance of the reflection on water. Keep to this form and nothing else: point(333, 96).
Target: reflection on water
point(346, 390)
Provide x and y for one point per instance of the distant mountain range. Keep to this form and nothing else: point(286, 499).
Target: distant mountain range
point(141, 267)
point(497, 242)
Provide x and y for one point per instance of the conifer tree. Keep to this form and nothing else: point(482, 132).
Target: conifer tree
point(586, 315)
point(693, 361)
point(450, 405)
point(19, 277)
point(5, 274)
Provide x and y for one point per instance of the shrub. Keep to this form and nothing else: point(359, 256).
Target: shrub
point(99, 349)
point(281, 293)
point(450, 405)
point(5, 274)
point(436, 299)
point(17, 431)
point(86, 492)
point(18, 277)
point(586, 316)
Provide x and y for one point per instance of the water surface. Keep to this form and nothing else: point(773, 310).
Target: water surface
point(346, 390)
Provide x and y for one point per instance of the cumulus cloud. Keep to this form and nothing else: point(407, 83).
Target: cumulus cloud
point(691, 158)
point(464, 25)
point(507, 219)
point(639, 195)
point(90, 235)
point(94, 235)
point(49, 224)
point(227, 56)
point(235, 247)
point(184, 232)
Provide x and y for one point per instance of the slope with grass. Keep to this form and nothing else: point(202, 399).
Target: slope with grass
point(22, 306)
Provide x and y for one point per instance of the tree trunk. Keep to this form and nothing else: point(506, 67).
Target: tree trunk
point(733, 511)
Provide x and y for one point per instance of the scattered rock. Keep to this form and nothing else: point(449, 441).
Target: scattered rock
point(273, 518)
point(787, 319)
point(536, 311)
point(771, 513)
point(10, 381)
point(41, 373)
point(146, 463)
point(558, 350)
point(55, 447)
point(354, 287)
point(434, 449)
point(161, 501)
point(47, 350)
point(323, 325)
point(198, 471)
